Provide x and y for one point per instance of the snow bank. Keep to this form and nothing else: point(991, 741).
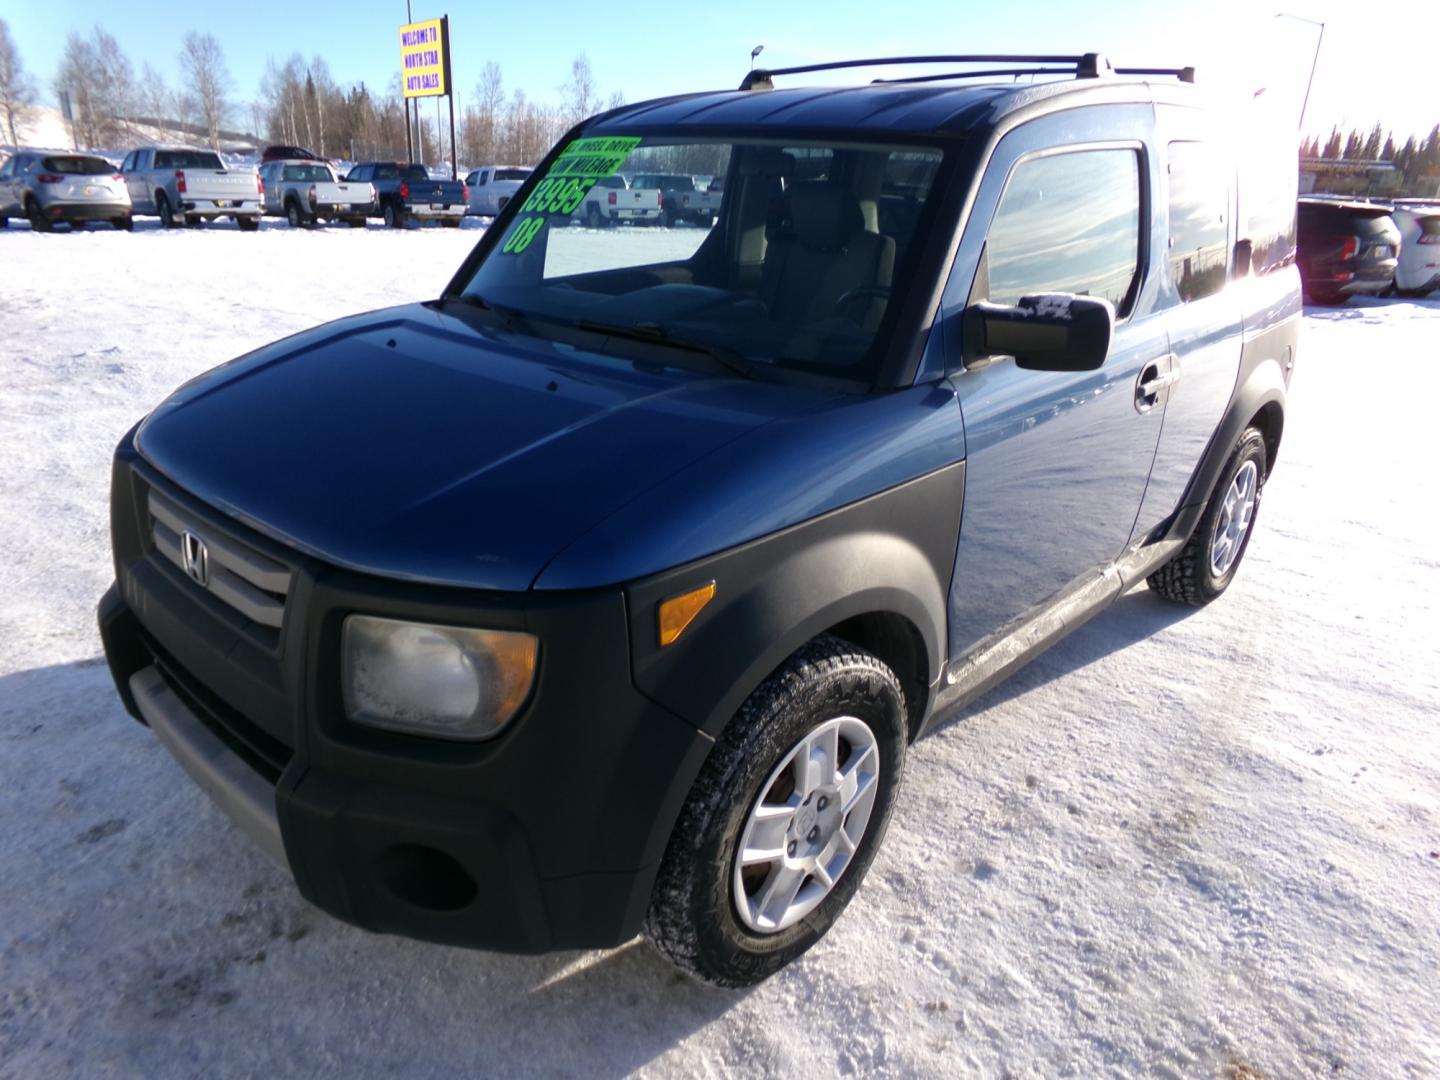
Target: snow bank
point(1180, 844)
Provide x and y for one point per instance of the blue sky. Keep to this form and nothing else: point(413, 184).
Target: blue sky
point(1363, 76)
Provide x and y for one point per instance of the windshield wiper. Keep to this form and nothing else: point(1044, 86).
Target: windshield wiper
point(654, 334)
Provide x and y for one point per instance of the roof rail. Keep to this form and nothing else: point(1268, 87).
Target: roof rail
point(1085, 66)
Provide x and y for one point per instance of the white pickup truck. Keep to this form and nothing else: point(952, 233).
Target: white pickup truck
point(492, 185)
point(612, 201)
point(307, 191)
point(681, 199)
point(184, 186)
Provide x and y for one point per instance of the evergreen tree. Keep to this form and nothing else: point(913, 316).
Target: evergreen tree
point(1333, 145)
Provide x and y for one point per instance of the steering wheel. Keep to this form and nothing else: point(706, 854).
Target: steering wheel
point(875, 292)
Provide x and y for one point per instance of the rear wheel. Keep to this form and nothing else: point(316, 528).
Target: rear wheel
point(165, 213)
point(4, 222)
point(593, 218)
point(38, 221)
point(356, 222)
point(784, 819)
point(249, 223)
point(294, 215)
point(450, 223)
point(125, 223)
point(394, 216)
point(1207, 563)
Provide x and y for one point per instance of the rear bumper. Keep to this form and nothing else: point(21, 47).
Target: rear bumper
point(59, 210)
point(547, 837)
point(425, 212)
point(212, 208)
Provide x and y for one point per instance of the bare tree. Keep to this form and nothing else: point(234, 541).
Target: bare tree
point(16, 89)
point(617, 99)
point(579, 97)
point(154, 95)
point(76, 77)
point(203, 63)
point(114, 85)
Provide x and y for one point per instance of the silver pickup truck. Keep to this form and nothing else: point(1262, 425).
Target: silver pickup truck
point(183, 186)
point(307, 191)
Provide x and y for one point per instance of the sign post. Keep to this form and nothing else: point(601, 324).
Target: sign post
point(425, 70)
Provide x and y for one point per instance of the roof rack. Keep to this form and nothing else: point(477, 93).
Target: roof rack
point(1084, 66)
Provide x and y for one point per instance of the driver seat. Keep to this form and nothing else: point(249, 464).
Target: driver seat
point(820, 252)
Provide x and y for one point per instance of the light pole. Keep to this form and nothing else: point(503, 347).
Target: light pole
point(1305, 104)
point(756, 51)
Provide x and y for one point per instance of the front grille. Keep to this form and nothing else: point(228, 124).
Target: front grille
point(249, 583)
point(264, 753)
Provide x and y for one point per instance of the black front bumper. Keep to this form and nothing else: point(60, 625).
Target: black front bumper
point(547, 837)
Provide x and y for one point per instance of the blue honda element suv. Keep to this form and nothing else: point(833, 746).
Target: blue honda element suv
point(607, 591)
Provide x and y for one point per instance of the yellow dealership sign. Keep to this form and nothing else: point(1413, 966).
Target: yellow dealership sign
point(424, 56)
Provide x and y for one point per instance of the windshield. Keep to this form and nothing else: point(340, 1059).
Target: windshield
point(794, 271)
point(512, 174)
point(306, 172)
point(187, 159)
point(75, 165)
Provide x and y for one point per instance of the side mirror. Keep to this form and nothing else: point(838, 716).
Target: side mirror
point(1046, 332)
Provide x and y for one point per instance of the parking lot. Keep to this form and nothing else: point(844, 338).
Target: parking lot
point(1180, 843)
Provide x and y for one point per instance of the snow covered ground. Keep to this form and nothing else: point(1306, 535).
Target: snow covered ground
point(1181, 844)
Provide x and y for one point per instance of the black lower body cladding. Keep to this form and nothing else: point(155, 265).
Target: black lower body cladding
point(547, 837)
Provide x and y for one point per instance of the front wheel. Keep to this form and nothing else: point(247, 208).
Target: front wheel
point(1207, 563)
point(785, 818)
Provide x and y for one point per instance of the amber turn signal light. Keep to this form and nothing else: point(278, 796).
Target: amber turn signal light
point(679, 611)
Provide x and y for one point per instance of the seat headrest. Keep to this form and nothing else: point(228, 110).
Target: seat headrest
point(824, 216)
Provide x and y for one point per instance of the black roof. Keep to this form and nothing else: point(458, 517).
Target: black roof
point(893, 108)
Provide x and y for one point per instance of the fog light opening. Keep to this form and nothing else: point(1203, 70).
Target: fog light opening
point(426, 878)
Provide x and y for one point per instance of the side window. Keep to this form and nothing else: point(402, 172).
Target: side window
point(360, 174)
point(7, 169)
point(1069, 223)
point(128, 163)
point(1199, 204)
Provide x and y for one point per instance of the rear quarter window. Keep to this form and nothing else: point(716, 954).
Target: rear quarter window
point(1199, 206)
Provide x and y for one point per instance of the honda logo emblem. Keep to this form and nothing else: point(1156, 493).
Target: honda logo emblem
point(195, 557)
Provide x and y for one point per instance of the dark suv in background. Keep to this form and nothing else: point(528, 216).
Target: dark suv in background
point(1346, 249)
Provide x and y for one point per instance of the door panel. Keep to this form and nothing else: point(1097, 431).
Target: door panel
point(1057, 463)
point(1203, 311)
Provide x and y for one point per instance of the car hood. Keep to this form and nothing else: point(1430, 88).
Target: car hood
point(409, 443)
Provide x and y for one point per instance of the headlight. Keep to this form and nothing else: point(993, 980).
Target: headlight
point(446, 681)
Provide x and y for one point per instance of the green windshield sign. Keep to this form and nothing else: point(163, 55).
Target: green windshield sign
point(567, 183)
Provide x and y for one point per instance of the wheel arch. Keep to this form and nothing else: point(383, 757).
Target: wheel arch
point(1259, 400)
point(875, 573)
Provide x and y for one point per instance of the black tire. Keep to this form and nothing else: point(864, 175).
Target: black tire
point(692, 917)
point(38, 221)
point(394, 216)
point(594, 219)
point(450, 223)
point(163, 210)
point(294, 215)
point(248, 222)
point(4, 222)
point(193, 221)
point(1189, 578)
point(356, 222)
point(124, 224)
